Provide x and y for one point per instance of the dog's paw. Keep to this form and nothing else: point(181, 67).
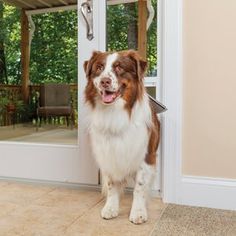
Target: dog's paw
point(109, 211)
point(138, 215)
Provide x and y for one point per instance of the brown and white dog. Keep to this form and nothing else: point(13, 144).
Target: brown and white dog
point(123, 128)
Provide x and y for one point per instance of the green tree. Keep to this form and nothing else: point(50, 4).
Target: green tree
point(122, 29)
point(54, 48)
point(54, 45)
point(11, 38)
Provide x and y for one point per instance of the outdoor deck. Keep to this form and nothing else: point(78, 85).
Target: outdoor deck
point(23, 129)
point(49, 134)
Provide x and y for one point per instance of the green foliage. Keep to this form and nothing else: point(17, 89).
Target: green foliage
point(11, 34)
point(119, 20)
point(54, 48)
point(152, 43)
point(10, 98)
point(54, 45)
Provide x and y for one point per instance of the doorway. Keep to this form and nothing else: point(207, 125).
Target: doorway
point(74, 163)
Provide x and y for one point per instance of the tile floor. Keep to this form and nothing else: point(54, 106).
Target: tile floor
point(39, 210)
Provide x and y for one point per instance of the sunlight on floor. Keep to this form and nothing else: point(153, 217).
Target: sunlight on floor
point(49, 134)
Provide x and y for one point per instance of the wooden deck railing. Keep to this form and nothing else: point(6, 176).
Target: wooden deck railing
point(15, 90)
point(13, 94)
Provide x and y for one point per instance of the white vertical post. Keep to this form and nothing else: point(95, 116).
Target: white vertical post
point(85, 49)
point(172, 98)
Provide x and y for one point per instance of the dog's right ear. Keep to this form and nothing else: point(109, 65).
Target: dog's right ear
point(88, 64)
point(141, 65)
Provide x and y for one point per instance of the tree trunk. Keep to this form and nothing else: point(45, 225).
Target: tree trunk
point(132, 33)
point(3, 69)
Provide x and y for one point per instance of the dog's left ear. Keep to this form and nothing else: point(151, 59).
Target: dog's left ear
point(141, 65)
point(88, 64)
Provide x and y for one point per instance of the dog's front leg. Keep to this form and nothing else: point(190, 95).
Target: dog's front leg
point(112, 190)
point(144, 177)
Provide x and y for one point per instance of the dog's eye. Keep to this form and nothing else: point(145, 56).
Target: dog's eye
point(118, 68)
point(99, 68)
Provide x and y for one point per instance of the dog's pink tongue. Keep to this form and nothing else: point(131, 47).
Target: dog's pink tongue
point(107, 97)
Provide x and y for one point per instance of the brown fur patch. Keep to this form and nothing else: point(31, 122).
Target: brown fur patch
point(133, 69)
point(154, 140)
point(90, 93)
point(133, 92)
point(141, 65)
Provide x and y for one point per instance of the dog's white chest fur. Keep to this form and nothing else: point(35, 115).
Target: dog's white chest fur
point(119, 141)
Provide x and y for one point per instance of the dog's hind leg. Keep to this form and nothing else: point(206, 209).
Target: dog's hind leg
point(144, 177)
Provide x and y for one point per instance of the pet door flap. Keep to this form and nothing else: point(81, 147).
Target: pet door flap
point(157, 106)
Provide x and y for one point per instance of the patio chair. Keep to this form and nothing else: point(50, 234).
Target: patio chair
point(55, 101)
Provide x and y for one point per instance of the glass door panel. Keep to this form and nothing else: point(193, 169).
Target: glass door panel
point(46, 110)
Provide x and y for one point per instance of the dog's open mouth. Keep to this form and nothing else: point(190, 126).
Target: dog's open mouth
point(109, 96)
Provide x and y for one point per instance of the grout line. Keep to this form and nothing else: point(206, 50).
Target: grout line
point(85, 213)
point(158, 220)
point(43, 195)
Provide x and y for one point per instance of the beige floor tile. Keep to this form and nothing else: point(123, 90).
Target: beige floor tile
point(36, 221)
point(3, 183)
point(6, 208)
point(33, 210)
point(91, 224)
point(22, 194)
point(70, 199)
point(49, 215)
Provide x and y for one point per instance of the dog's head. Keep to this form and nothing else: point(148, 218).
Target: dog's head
point(114, 76)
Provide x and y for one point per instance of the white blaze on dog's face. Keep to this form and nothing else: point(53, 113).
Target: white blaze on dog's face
point(107, 82)
point(113, 76)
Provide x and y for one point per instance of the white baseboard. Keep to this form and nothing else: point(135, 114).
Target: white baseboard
point(207, 192)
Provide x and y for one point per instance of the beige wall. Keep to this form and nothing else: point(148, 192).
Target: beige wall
point(209, 103)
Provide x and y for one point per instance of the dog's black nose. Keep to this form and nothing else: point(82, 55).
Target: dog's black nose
point(105, 82)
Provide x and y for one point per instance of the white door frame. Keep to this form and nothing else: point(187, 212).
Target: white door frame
point(171, 83)
point(84, 53)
